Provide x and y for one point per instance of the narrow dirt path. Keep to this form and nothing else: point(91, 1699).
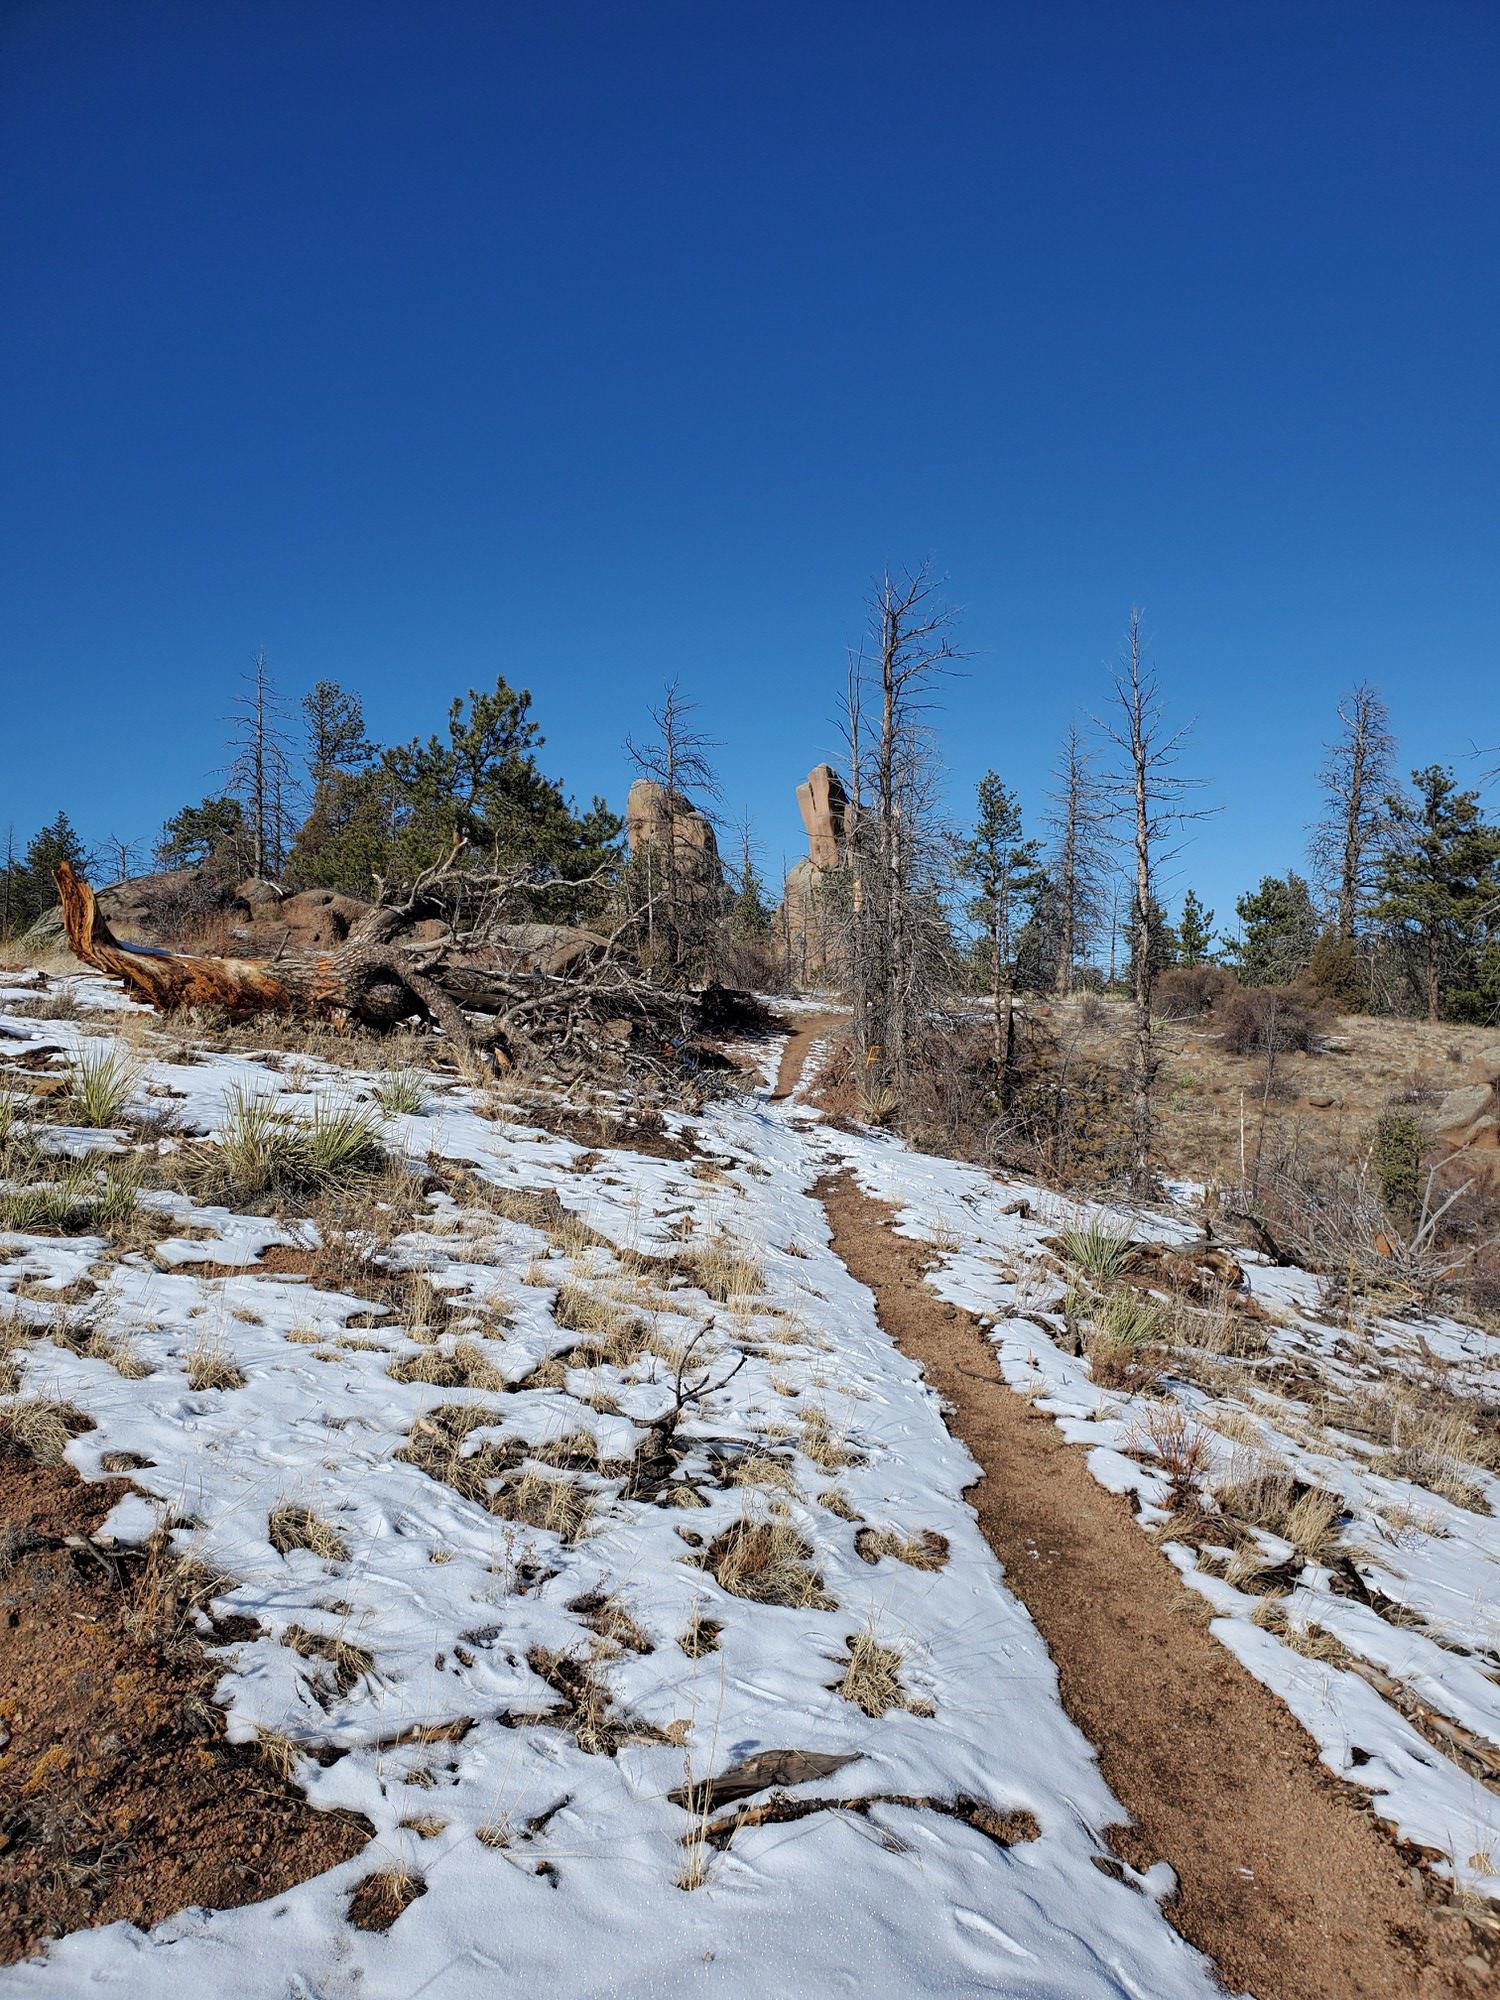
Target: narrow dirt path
point(805, 1030)
point(1287, 1882)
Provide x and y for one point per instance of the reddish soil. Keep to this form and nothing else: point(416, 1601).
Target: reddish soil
point(119, 1796)
point(1287, 1881)
point(805, 1030)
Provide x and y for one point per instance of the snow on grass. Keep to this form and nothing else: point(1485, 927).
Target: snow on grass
point(543, 1480)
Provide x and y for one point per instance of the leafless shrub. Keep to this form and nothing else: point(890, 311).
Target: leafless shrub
point(1261, 1020)
point(1186, 992)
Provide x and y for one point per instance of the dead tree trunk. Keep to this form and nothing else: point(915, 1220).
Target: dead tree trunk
point(381, 976)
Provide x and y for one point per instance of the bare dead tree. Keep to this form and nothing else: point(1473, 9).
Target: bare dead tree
point(1077, 815)
point(1148, 795)
point(123, 855)
point(260, 776)
point(677, 761)
point(1356, 780)
point(898, 848)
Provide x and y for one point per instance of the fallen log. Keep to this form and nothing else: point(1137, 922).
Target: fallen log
point(591, 1014)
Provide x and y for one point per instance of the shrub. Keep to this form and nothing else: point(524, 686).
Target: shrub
point(1398, 1149)
point(1185, 992)
point(1269, 1020)
point(402, 1092)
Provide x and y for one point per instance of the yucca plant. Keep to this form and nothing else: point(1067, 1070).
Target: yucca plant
point(264, 1150)
point(402, 1093)
point(1098, 1252)
point(100, 1084)
point(341, 1144)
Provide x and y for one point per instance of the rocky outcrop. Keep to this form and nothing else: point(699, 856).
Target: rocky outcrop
point(651, 820)
point(1468, 1119)
point(823, 803)
point(811, 894)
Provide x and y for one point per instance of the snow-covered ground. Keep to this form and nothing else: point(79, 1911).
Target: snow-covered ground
point(415, 1656)
point(550, 1864)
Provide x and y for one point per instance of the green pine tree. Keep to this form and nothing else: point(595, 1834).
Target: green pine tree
point(1440, 892)
point(1195, 932)
point(999, 864)
point(1279, 928)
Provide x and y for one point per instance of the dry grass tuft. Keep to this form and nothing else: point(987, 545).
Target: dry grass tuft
point(465, 1367)
point(725, 1270)
point(209, 1367)
point(378, 1900)
point(350, 1663)
point(41, 1430)
point(924, 1550)
point(822, 1444)
point(761, 1468)
point(293, 1527)
point(768, 1562)
point(872, 1677)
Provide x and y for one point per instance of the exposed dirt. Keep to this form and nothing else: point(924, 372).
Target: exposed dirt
point(119, 1797)
point(805, 1030)
point(1287, 1881)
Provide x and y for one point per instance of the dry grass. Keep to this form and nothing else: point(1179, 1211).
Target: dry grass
point(464, 1367)
point(1262, 1492)
point(1431, 1437)
point(209, 1367)
point(725, 1270)
point(767, 1562)
point(292, 1527)
point(823, 1445)
point(38, 1429)
point(378, 1900)
point(926, 1549)
point(1364, 1062)
point(760, 1468)
point(872, 1677)
point(350, 1663)
point(564, 1506)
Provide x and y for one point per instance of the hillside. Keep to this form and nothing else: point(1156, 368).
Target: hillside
point(572, 1528)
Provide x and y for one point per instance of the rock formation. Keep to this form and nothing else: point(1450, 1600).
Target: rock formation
point(811, 916)
point(1468, 1119)
point(647, 817)
point(823, 802)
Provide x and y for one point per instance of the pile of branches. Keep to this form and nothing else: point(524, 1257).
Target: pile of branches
point(441, 950)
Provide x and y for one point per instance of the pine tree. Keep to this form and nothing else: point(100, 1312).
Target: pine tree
point(215, 827)
point(1280, 929)
point(1195, 933)
point(751, 918)
point(36, 890)
point(336, 741)
point(1440, 890)
point(999, 864)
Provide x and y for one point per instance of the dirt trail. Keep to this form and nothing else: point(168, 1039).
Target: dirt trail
point(1287, 1882)
point(805, 1030)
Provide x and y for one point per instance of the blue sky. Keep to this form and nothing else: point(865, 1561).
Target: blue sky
point(592, 344)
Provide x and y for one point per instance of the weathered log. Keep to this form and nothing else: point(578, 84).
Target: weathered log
point(380, 975)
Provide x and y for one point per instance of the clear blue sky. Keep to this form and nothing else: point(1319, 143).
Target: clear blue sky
point(597, 343)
